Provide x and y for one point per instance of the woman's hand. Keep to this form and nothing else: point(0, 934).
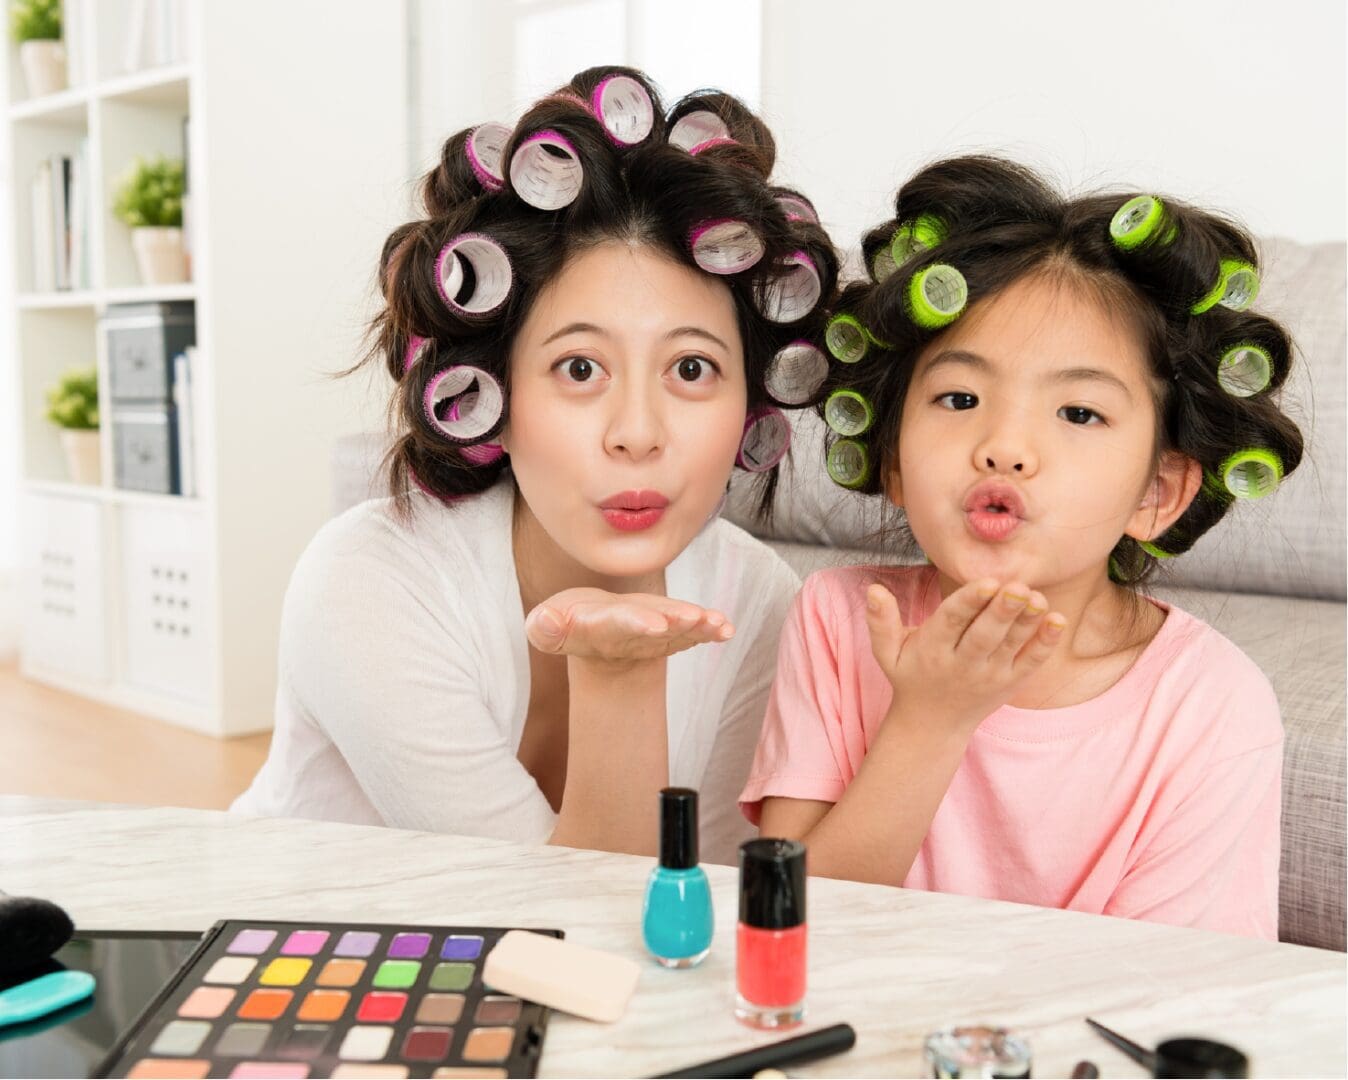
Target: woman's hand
point(967, 658)
point(621, 627)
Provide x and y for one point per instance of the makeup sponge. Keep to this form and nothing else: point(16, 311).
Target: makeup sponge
point(30, 931)
point(561, 975)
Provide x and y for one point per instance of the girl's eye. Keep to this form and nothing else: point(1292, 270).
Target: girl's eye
point(1079, 414)
point(958, 400)
point(577, 369)
point(695, 368)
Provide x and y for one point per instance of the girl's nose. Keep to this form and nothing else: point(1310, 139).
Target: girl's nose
point(1007, 448)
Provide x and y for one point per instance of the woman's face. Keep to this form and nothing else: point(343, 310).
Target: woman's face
point(627, 406)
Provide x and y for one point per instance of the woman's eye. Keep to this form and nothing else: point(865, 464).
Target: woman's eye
point(958, 400)
point(577, 369)
point(1079, 414)
point(695, 368)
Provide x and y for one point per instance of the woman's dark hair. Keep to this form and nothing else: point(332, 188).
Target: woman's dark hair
point(997, 222)
point(654, 193)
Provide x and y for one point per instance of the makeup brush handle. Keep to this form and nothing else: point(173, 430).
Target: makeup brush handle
point(1144, 1057)
point(807, 1047)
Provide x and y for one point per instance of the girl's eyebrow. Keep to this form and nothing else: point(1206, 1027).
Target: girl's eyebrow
point(591, 328)
point(964, 358)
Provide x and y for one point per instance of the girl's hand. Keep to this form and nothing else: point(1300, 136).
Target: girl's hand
point(967, 658)
point(621, 627)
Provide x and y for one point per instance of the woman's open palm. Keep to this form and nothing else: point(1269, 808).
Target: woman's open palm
point(621, 627)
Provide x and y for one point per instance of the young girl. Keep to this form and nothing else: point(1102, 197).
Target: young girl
point(1058, 393)
point(591, 326)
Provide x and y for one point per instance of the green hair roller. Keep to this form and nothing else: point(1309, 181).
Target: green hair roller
point(1244, 370)
point(846, 338)
point(1138, 220)
point(848, 413)
point(913, 237)
point(1152, 550)
point(1236, 287)
point(937, 295)
point(1252, 474)
point(848, 463)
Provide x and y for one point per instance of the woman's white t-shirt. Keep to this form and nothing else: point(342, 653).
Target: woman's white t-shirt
point(403, 680)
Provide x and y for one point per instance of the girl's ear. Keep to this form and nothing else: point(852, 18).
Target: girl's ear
point(1173, 487)
point(894, 487)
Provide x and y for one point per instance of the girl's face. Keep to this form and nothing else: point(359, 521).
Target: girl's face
point(627, 405)
point(1027, 441)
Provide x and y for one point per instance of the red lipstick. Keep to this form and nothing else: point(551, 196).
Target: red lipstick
point(633, 511)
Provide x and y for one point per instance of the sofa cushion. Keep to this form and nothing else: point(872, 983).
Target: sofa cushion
point(1300, 645)
point(1292, 543)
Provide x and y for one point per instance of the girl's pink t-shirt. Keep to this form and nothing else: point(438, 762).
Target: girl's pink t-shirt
point(1159, 799)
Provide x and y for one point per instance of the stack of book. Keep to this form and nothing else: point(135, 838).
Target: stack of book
point(60, 201)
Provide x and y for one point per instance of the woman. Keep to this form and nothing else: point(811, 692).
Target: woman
point(590, 329)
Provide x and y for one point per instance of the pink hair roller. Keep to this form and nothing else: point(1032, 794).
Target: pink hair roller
point(796, 373)
point(413, 352)
point(791, 294)
point(475, 413)
point(624, 109)
point(474, 453)
point(697, 127)
point(545, 170)
point(492, 276)
point(695, 150)
point(767, 436)
point(725, 246)
point(797, 209)
point(484, 149)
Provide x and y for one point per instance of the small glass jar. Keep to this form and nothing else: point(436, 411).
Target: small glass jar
point(978, 1051)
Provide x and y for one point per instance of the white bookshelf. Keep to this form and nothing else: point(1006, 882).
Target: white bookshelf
point(166, 605)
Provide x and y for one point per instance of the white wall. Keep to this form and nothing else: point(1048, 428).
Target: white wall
point(1236, 105)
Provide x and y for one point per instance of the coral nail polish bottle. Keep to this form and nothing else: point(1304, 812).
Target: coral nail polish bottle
point(770, 939)
point(676, 921)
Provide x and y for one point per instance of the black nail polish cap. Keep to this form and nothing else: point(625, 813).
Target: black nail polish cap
point(678, 828)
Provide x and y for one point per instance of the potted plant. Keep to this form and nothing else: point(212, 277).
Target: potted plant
point(149, 198)
point(36, 26)
point(72, 405)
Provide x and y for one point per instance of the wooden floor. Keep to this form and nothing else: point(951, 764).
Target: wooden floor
point(56, 744)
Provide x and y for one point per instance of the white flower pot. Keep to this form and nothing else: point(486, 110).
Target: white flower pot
point(159, 254)
point(83, 461)
point(44, 66)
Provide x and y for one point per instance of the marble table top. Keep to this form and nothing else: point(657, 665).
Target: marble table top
point(893, 963)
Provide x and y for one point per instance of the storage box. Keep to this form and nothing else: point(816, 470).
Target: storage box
point(142, 341)
point(145, 448)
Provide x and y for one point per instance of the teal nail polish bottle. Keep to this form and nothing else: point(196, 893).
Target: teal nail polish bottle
point(676, 921)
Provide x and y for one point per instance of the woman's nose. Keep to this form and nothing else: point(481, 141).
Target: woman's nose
point(636, 428)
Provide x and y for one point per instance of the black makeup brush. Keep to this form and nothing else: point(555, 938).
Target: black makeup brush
point(30, 931)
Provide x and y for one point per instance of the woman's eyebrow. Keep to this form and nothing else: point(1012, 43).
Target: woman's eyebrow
point(576, 328)
point(1064, 375)
point(696, 331)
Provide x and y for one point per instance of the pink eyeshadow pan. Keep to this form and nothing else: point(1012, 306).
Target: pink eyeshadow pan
point(206, 1002)
point(270, 1070)
point(252, 942)
point(305, 943)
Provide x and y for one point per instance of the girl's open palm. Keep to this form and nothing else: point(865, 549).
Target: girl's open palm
point(966, 659)
point(621, 627)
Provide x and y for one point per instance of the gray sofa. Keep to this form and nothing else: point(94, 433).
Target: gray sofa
point(1271, 577)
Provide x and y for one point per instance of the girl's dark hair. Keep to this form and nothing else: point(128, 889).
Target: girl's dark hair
point(653, 193)
point(998, 223)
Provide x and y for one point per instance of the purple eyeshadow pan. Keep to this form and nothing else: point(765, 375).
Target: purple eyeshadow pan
point(252, 942)
point(409, 946)
point(304, 942)
point(461, 947)
point(357, 943)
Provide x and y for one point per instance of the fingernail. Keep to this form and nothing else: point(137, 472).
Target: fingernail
point(872, 602)
point(547, 622)
point(987, 589)
point(1056, 624)
point(1035, 610)
point(1015, 599)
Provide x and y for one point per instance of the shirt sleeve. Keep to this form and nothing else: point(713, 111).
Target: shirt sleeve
point(386, 665)
point(802, 751)
point(1213, 862)
point(724, 828)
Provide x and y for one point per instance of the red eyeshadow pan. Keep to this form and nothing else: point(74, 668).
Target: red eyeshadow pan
point(427, 1044)
point(382, 1006)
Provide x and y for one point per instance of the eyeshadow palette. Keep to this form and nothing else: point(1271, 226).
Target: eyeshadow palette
point(295, 1000)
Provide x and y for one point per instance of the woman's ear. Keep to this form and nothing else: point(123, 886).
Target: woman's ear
point(1172, 488)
